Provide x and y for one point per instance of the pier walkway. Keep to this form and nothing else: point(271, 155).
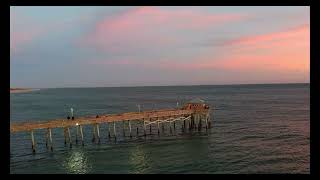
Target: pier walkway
point(192, 115)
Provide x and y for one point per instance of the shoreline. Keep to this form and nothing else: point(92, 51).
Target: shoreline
point(21, 90)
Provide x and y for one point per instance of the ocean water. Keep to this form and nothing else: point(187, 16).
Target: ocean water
point(255, 129)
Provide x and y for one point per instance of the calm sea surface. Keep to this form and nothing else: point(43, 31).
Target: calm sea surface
point(255, 129)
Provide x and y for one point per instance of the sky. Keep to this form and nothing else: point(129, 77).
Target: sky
point(52, 47)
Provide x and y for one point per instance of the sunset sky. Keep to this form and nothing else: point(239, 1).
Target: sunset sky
point(154, 45)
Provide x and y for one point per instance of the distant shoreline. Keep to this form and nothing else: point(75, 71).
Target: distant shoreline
point(71, 87)
point(14, 90)
point(21, 90)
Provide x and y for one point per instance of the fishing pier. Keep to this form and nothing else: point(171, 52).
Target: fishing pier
point(192, 116)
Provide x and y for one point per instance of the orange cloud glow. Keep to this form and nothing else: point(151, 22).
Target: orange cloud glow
point(274, 52)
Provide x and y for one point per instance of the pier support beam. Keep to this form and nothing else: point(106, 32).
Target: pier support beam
point(81, 134)
point(98, 133)
point(199, 125)
point(150, 129)
point(93, 133)
point(158, 127)
point(144, 128)
point(209, 121)
point(77, 134)
point(114, 130)
point(33, 143)
point(69, 137)
point(65, 135)
point(123, 127)
point(109, 134)
point(47, 137)
point(130, 129)
point(50, 138)
point(194, 121)
point(183, 126)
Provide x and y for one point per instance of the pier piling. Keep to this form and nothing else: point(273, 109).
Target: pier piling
point(150, 129)
point(130, 129)
point(69, 137)
point(206, 122)
point(33, 143)
point(93, 133)
point(109, 134)
point(65, 136)
point(50, 137)
point(98, 133)
point(123, 128)
point(114, 130)
point(77, 133)
point(81, 134)
point(144, 128)
point(47, 137)
point(199, 123)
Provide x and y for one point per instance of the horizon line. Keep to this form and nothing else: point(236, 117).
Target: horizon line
point(165, 85)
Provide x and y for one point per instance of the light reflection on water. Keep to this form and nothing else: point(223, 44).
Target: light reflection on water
point(139, 160)
point(77, 162)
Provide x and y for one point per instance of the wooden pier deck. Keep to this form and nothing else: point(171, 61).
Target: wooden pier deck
point(130, 116)
point(192, 114)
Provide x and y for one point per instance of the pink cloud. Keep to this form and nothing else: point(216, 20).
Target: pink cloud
point(276, 52)
point(151, 26)
point(287, 50)
point(301, 32)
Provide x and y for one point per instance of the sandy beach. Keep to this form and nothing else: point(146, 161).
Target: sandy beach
point(21, 90)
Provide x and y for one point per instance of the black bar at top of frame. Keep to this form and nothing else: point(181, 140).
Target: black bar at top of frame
point(162, 2)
